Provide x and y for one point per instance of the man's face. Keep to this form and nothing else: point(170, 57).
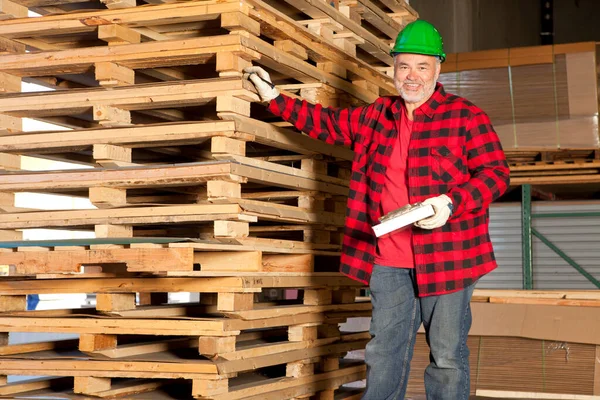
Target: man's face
point(415, 76)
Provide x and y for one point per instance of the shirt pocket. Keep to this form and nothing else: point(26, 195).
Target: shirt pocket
point(448, 164)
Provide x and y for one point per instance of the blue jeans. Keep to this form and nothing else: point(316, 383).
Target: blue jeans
point(397, 315)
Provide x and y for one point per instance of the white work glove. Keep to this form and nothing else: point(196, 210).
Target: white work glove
point(441, 206)
point(262, 82)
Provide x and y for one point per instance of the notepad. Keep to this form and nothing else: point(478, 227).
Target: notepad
point(402, 217)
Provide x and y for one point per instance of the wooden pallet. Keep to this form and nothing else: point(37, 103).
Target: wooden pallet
point(210, 343)
point(220, 347)
point(265, 177)
point(345, 23)
point(99, 260)
point(248, 386)
point(78, 145)
point(184, 22)
point(575, 171)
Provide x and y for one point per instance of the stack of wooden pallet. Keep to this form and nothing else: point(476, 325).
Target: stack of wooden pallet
point(196, 189)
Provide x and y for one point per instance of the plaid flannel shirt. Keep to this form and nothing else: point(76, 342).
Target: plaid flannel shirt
point(453, 150)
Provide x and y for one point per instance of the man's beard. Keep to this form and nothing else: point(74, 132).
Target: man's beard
point(425, 92)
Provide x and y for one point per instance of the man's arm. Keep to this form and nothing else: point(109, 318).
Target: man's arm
point(488, 168)
point(331, 125)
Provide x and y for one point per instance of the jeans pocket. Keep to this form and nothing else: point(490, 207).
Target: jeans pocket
point(390, 287)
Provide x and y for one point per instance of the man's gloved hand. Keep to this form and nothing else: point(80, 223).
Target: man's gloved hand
point(442, 207)
point(262, 82)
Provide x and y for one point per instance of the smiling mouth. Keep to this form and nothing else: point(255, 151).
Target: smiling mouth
point(411, 86)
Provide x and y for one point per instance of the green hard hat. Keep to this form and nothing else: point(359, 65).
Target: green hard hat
point(419, 37)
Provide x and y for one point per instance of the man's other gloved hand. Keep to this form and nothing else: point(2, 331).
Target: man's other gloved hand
point(262, 82)
point(442, 208)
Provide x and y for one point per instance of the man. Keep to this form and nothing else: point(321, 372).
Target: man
point(423, 146)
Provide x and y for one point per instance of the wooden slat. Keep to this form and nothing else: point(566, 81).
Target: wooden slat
point(72, 261)
point(280, 388)
point(125, 216)
point(17, 349)
point(279, 26)
point(319, 9)
point(196, 327)
point(260, 312)
point(291, 66)
point(179, 175)
point(270, 135)
point(87, 21)
point(135, 56)
point(16, 388)
point(138, 97)
point(506, 394)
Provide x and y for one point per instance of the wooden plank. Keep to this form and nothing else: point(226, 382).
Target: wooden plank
point(399, 6)
point(304, 72)
point(10, 9)
point(279, 212)
point(136, 387)
point(373, 45)
point(265, 349)
point(300, 173)
point(117, 34)
point(231, 366)
point(17, 388)
point(289, 387)
point(379, 19)
point(9, 303)
point(11, 46)
point(506, 394)
point(270, 135)
point(120, 178)
point(287, 263)
point(279, 26)
point(110, 302)
point(90, 384)
point(229, 261)
point(110, 374)
point(65, 261)
point(126, 216)
point(168, 327)
point(556, 180)
point(541, 301)
point(546, 294)
point(117, 4)
point(130, 350)
point(138, 97)
point(95, 343)
point(239, 306)
point(138, 136)
point(16, 349)
point(88, 21)
point(233, 302)
point(160, 176)
point(111, 74)
point(106, 367)
point(134, 56)
point(298, 309)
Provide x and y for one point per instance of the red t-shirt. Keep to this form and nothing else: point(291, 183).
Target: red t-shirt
point(395, 249)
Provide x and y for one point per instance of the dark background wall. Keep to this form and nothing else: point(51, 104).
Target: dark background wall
point(469, 25)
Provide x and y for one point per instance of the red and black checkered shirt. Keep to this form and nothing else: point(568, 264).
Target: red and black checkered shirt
point(453, 150)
